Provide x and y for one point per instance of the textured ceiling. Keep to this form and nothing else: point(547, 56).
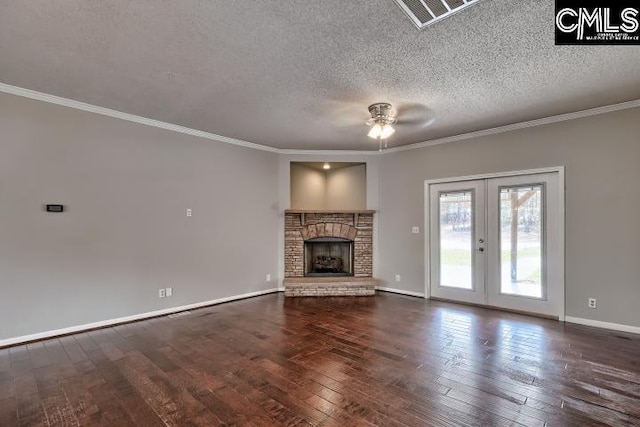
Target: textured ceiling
point(300, 74)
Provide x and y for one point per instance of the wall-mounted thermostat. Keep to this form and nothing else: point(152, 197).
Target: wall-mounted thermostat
point(55, 208)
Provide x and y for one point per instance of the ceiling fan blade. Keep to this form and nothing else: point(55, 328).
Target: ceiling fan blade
point(414, 115)
point(342, 113)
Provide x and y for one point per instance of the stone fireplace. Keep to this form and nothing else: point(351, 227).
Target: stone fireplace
point(328, 253)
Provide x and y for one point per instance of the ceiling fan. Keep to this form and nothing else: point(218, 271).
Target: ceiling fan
point(384, 120)
point(347, 117)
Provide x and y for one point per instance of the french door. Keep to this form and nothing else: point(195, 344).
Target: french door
point(498, 242)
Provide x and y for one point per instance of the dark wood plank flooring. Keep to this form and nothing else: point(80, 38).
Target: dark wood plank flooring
point(270, 361)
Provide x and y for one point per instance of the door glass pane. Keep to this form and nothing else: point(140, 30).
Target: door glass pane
point(521, 231)
point(456, 240)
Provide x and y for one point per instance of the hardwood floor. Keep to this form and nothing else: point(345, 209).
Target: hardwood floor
point(343, 361)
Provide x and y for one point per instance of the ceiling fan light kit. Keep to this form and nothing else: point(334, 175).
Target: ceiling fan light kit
point(379, 131)
point(381, 122)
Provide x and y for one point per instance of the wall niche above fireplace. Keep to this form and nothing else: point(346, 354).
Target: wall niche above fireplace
point(342, 187)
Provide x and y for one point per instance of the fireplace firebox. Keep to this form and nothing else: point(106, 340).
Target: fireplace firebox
point(328, 257)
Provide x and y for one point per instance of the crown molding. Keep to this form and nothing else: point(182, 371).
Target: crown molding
point(53, 99)
point(330, 152)
point(522, 125)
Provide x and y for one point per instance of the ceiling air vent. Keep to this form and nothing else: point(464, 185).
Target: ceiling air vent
point(427, 12)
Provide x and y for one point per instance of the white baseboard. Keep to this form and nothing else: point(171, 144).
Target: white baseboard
point(282, 289)
point(105, 323)
point(604, 325)
point(401, 292)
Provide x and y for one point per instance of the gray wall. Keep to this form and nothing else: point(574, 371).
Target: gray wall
point(127, 186)
point(602, 158)
point(125, 234)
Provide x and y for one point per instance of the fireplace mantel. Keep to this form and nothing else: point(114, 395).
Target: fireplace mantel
point(324, 211)
point(304, 212)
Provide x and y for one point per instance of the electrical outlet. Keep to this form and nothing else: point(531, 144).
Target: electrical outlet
point(415, 230)
point(162, 293)
point(268, 277)
point(592, 303)
point(188, 212)
point(169, 292)
point(398, 278)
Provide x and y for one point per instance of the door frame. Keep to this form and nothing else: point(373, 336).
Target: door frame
point(561, 201)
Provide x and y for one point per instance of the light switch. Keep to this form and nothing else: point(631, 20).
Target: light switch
point(415, 230)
